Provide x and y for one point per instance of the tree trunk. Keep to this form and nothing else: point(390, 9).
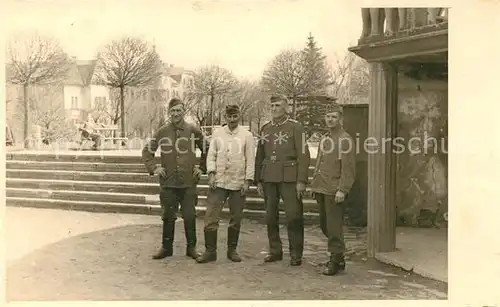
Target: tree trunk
point(122, 110)
point(115, 122)
point(26, 114)
point(212, 98)
point(294, 108)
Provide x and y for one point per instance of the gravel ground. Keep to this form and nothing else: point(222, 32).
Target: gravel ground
point(68, 255)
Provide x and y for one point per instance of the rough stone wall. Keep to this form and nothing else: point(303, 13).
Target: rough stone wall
point(422, 192)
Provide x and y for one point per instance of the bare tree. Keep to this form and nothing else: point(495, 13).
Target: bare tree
point(47, 105)
point(350, 78)
point(34, 60)
point(259, 113)
point(210, 81)
point(246, 94)
point(287, 75)
point(148, 116)
point(128, 62)
point(112, 109)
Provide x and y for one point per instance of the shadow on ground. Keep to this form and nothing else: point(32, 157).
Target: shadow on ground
point(116, 264)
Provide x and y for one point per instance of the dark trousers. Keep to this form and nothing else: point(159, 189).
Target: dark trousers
point(170, 199)
point(215, 202)
point(97, 139)
point(294, 212)
point(331, 217)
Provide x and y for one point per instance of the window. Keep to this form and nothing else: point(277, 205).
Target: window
point(144, 95)
point(74, 102)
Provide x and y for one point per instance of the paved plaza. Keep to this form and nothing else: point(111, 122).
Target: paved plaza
point(70, 255)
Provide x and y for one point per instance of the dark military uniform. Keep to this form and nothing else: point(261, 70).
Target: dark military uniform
point(178, 158)
point(282, 160)
point(334, 171)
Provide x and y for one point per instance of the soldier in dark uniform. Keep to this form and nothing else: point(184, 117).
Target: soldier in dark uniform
point(178, 175)
point(281, 166)
point(333, 177)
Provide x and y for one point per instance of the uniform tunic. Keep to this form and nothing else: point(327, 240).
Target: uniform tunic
point(335, 164)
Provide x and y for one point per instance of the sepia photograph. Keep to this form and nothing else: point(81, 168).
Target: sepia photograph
point(225, 150)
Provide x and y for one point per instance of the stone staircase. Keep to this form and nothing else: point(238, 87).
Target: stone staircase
point(107, 183)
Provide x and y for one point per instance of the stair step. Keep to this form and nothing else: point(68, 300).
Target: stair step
point(253, 203)
point(77, 166)
point(87, 166)
point(126, 198)
point(107, 186)
point(90, 186)
point(92, 206)
point(106, 157)
point(81, 176)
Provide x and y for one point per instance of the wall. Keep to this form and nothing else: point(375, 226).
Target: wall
point(98, 91)
point(14, 115)
point(422, 196)
point(70, 91)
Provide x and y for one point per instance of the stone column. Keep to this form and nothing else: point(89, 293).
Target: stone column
point(382, 163)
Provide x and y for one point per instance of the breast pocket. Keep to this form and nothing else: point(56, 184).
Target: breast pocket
point(289, 171)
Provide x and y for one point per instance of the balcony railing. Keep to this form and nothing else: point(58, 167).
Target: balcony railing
point(386, 23)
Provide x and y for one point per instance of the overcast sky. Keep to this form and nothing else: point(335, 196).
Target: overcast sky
point(242, 36)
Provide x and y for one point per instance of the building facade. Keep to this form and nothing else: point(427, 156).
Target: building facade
point(407, 49)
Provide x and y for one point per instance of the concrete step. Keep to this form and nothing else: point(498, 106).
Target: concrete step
point(252, 203)
point(76, 166)
point(81, 176)
point(92, 206)
point(96, 157)
point(90, 186)
point(125, 198)
point(95, 181)
point(126, 157)
point(87, 166)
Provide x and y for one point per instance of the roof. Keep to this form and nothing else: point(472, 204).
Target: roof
point(86, 70)
point(175, 72)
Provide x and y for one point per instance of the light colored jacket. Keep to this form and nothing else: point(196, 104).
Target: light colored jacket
point(231, 156)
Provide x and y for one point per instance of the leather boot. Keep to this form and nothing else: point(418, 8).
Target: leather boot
point(190, 232)
point(335, 265)
point(233, 234)
point(167, 240)
point(273, 257)
point(210, 253)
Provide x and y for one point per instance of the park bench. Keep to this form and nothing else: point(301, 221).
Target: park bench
point(108, 135)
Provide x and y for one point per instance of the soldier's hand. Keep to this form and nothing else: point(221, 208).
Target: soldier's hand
point(160, 171)
point(339, 197)
point(196, 172)
point(245, 188)
point(301, 187)
point(313, 195)
point(260, 189)
point(211, 181)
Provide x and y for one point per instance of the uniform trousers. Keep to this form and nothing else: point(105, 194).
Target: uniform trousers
point(215, 202)
point(331, 217)
point(294, 212)
point(170, 200)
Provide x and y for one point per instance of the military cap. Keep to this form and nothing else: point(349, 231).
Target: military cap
point(275, 98)
point(333, 107)
point(232, 109)
point(174, 102)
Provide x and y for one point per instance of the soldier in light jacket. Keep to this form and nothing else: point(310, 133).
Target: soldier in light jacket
point(230, 168)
